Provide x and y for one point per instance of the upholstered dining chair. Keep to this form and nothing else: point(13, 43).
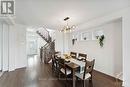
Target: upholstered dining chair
point(63, 69)
point(73, 54)
point(87, 75)
point(82, 56)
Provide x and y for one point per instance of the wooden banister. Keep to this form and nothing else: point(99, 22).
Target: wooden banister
point(49, 48)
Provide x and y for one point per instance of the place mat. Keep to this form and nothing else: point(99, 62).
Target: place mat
point(72, 65)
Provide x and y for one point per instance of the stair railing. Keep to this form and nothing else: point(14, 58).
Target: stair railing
point(49, 48)
point(44, 33)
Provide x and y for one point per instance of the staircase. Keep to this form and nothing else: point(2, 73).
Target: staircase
point(44, 34)
point(48, 49)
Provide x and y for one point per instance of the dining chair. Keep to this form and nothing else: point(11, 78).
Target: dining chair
point(57, 53)
point(73, 54)
point(87, 75)
point(63, 69)
point(54, 63)
point(82, 56)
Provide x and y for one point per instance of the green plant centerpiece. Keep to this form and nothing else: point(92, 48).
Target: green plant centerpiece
point(101, 40)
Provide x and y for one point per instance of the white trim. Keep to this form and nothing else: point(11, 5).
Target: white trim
point(1, 73)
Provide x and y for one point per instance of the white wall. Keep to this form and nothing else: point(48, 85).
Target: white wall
point(126, 48)
point(1, 30)
point(118, 54)
point(108, 58)
point(125, 15)
point(59, 44)
point(66, 42)
point(20, 46)
point(12, 47)
point(5, 61)
point(62, 42)
point(6, 46)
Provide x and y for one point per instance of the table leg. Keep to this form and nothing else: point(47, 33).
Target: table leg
point(73, 77)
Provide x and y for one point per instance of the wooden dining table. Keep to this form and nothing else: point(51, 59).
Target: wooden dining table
point(73, 64)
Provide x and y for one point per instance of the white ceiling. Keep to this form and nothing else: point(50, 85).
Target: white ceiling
point(52, 12)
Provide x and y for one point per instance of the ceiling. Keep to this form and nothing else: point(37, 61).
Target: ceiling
point(52, 12)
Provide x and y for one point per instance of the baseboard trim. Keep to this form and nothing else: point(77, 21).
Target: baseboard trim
point(108, 76)
point(21, 68)
point(1, 73)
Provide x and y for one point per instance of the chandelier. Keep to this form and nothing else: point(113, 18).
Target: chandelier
point(67, 28)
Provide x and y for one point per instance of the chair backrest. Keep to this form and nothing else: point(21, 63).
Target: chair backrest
point(61, 63)
point(73, 54)
point(83, 56)
point(57, 53)
point(88, 67)
point(54, 60)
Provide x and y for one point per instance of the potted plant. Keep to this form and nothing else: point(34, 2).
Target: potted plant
point(101, 40)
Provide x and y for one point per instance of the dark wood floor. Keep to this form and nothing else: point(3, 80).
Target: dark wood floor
point(40, 75)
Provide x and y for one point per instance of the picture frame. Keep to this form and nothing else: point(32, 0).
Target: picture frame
point(85, 36)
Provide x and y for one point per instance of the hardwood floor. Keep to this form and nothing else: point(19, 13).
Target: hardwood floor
point(40, 75)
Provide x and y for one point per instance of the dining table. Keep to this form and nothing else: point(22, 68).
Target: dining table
point(74, 64)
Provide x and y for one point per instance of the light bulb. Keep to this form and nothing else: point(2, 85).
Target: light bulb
point(73, 26)
point(67, 26)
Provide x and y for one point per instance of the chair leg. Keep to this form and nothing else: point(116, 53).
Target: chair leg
point(66, 82)
point(58, 75)
point(90, 82)
point(83, 83)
